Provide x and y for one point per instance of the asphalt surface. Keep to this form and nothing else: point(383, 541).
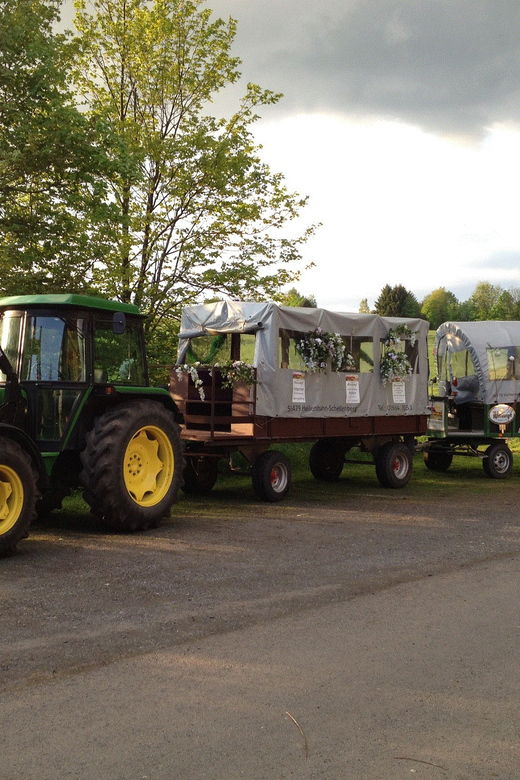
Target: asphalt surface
point(344, 634)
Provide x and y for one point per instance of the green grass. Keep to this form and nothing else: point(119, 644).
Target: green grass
point(465, 478)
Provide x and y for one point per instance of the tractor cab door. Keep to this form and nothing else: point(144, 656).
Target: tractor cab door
point(53, 374)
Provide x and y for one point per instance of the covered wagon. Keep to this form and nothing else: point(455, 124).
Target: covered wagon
point(474, 407)
point(253, 374)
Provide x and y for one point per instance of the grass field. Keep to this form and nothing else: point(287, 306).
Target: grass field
point(233, 489)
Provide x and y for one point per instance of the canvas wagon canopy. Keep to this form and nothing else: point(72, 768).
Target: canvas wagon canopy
point(285, 389)
point(486, 350)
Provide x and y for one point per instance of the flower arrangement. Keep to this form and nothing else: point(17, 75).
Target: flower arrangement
point(232, 375)
point(187, 368)
point(236, 373)
point(318, 348)
point(394, 362)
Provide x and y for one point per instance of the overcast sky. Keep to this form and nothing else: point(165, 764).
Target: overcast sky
point(401, 122)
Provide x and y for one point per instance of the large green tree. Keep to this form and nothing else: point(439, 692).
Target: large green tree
point(50, 163)
point(440, 306)
point(198, 212)
point(397, 301)
point(507, 307)
point(484, 298)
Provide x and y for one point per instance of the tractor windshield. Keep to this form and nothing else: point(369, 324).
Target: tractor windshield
point(54, 349)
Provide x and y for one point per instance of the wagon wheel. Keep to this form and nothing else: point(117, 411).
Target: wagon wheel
point(200, 476)
point(438, 460)
point(394, 465)
point(326, 459)
point(271, 476)
point(497, 461)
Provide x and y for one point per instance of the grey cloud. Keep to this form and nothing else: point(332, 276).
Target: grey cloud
point(447, 65)
point(500, 260)
point(450, 66)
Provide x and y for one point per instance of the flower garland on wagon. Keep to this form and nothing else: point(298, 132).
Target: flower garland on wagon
point(395, 363)
point(318, 348)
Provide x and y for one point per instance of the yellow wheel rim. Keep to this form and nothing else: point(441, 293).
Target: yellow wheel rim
point(149, 465)
point(11, 498)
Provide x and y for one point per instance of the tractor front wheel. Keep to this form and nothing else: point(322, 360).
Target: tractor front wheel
point(133, 465)
point(18, 494)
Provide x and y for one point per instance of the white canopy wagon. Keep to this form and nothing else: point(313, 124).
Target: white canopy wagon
point(253, 374)
point(475, 404)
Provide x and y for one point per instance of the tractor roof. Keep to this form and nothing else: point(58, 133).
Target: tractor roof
point(66, 300)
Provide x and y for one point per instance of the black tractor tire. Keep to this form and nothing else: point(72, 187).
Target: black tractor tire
point(200, 476)
point(438, 460)
point(18, 494)
point(326, 460)
point(271, 476)
point(394, 465)
point(132, 466)
point(497, 461)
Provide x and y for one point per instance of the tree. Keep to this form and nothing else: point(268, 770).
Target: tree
point(293, 298)
point(198, 212)
point(507, 307)
point(51, 183)
point(397, 302)
point(440, 306)
point(363, 306)
point(485, 296)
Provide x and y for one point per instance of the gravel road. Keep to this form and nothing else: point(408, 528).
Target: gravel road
point(77, 602)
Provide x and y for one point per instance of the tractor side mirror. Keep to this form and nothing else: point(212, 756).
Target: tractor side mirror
point(118, 322)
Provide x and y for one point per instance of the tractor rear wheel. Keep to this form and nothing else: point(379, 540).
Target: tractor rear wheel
point(132, 466)
point(18, 494)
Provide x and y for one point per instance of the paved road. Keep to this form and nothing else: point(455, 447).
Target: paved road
point(305, 640)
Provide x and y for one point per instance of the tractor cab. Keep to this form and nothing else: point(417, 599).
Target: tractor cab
point(61, 347)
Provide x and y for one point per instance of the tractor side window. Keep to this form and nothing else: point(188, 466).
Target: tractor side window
point(118, 357)
point(10, 326)
point(503, 363)
point(54, 350)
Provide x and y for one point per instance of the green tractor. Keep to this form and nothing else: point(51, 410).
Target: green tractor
point(76, 409)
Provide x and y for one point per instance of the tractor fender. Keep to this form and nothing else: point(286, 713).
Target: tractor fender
point(159, 394)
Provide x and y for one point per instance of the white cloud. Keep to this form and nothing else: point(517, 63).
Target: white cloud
point(399, 205)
